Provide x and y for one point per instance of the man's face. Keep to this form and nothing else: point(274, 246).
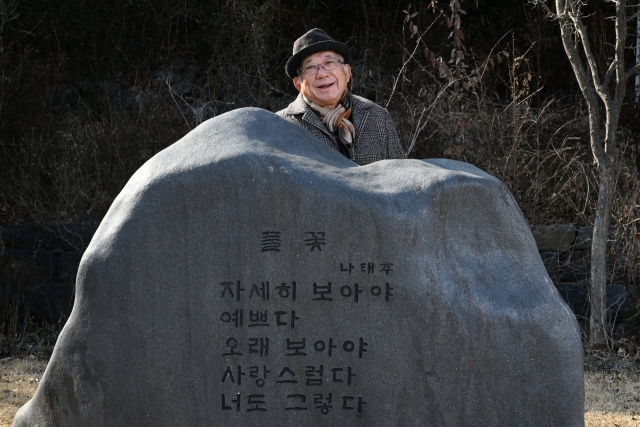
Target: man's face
point(324, 88)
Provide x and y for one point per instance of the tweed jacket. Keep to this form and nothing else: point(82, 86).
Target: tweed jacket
point(376, 137)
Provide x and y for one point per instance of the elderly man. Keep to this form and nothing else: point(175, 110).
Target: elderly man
point(354, 126)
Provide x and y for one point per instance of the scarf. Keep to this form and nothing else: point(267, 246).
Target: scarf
point(337, 119)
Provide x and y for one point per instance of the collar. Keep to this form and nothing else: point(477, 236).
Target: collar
point(298, 106)
point(359, 112)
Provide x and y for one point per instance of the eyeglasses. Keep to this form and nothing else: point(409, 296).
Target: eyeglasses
point(331, 64)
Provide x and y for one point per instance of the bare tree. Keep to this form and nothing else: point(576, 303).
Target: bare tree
point(604, 93)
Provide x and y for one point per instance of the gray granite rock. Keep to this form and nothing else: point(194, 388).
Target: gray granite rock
point(585, 234)
point(554, 237)
point(248, 275)
point(619, 303)
point(583, 239)
point(576, 295)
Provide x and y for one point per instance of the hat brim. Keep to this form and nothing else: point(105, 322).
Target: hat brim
point(325, 45)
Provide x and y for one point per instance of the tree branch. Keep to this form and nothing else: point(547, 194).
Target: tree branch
point(613, 116)
point(621, 38)
point(633, 17)
point(607, 77)
point(602, 91)
point(588, 91)
point(632, 71)
point(551, 14)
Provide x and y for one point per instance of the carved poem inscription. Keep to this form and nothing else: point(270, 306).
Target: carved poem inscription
point(271, 361)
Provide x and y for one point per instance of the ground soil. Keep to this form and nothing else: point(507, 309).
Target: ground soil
point(612, 399)
point(612, 392)
point(19, 379)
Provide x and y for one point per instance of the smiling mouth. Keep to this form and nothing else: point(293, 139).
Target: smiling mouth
point(325, 86)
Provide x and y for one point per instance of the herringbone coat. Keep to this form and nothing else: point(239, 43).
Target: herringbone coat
point(376, 137)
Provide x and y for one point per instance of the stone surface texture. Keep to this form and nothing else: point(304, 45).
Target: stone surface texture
point(554, 237)
point(456, 323)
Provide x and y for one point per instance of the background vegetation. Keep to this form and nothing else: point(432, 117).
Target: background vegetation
point(89, 90)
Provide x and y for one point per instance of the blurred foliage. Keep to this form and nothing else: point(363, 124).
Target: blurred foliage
point(90, 90)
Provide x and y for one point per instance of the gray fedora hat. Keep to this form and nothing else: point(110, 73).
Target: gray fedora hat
point(314, 41)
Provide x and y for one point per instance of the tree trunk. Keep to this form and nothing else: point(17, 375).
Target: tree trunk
point(574, 35)
point(598, 331)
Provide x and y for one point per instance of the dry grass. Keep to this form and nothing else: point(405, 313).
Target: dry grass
point(19, 379)
point(610, 419)
point(612, 400)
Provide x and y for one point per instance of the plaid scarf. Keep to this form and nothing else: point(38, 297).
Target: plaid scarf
point(337, 119)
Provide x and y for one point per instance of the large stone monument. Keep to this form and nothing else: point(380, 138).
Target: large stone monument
point(248, 275)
